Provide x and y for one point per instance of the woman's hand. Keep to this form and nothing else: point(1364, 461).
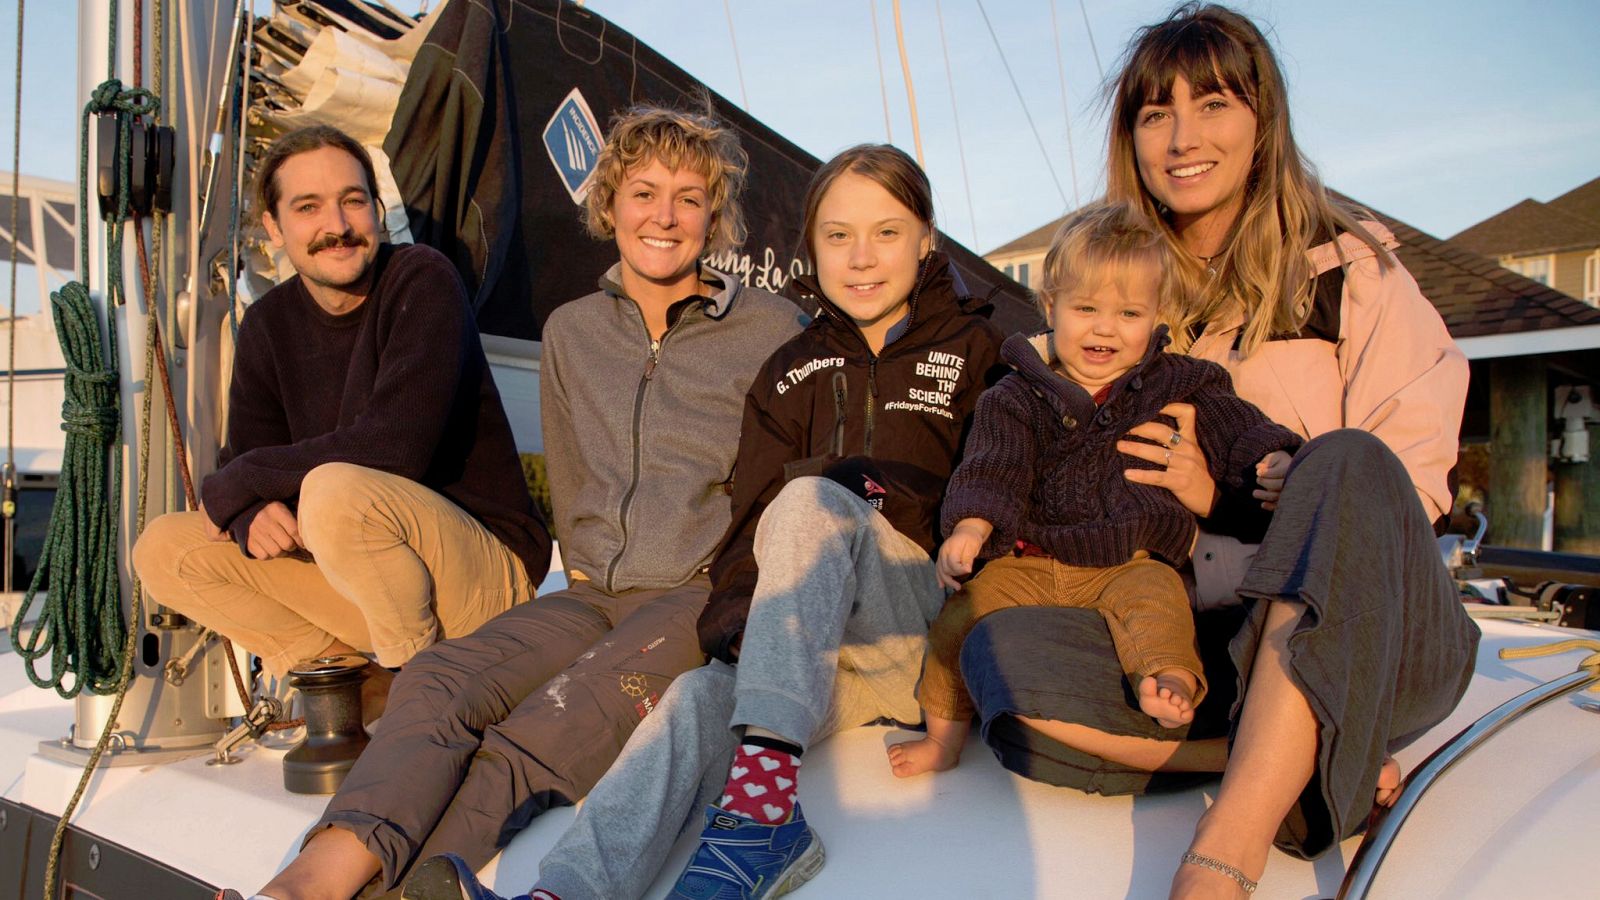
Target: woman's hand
point(1184, 471)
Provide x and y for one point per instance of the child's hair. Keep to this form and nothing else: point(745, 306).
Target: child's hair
point(1262, 272)
point(676, 139)
point(885, 164)
point(1099, 241)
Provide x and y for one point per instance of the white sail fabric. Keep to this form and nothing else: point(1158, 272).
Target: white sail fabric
point(348, 78)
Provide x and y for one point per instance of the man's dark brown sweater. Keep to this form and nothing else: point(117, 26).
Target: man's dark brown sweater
point(399, 384)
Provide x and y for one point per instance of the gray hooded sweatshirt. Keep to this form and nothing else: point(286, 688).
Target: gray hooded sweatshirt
point(640, 440)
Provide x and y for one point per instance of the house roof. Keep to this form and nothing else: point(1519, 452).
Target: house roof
point(1582, 201)
point(1037, 239)
point(1534, 227)
point(1475, 296)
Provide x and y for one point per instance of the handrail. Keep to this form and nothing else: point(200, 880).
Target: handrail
point(1386, 826)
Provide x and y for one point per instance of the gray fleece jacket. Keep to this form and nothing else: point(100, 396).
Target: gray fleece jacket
point(640, 440)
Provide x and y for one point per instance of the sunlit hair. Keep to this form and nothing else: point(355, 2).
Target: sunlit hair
point(1262, 271)
point(266, 191)
point(1103, 242)
point(889, 167)
point(677, 139)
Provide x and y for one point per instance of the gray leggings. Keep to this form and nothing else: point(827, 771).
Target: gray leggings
point(1383, 652)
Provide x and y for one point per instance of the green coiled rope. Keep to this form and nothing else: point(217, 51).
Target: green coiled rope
point(81, 625)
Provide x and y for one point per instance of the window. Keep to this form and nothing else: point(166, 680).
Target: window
point(1535, 267)
point(1022, 275)
point(1591, 279)
point(36, 495)
point(1007, 270)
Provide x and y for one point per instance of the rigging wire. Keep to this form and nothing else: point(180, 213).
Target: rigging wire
point(938, 8)
point(883, 86)
point(1090, 31)
point(9, 473)
point(241, 95)
point(727, 12)
point(1027, 115)
point(1066, 111)
point(911, 92)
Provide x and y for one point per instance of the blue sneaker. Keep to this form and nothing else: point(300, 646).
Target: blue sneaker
point(448, 877)
point(743, 860)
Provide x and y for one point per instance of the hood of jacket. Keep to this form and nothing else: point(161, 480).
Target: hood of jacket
point(938, 293)
point(724, 289)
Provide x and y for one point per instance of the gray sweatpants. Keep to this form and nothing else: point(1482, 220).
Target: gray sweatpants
point(837, 629)
point(486, 731)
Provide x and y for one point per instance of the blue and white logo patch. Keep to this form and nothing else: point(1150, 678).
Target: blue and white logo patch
point(572, 138)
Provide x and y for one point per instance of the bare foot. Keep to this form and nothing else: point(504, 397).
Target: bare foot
point(923, 755)
point(1168, 697)
point(1388, 782)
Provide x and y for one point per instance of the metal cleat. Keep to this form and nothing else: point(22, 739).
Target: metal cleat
point(265, 711)
point(176, 671)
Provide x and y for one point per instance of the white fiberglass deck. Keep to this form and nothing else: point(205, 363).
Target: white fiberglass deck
point(1513, 820)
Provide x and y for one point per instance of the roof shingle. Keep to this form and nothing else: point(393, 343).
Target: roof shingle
point(1582, 201)
point(1534, 227)
point(1474, 295)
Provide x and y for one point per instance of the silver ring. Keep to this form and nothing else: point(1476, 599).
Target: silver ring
point(1176, 439)
point(1169, 458)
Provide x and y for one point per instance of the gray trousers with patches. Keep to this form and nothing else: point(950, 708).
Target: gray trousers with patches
point(837, 630)
point(486, 731)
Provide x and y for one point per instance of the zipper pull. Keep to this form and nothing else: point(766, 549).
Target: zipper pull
point(650, 366)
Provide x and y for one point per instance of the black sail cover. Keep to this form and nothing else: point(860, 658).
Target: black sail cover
point(494, 142)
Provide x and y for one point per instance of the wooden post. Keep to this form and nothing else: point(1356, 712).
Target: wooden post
point(1578, 502)
point(1518, 451)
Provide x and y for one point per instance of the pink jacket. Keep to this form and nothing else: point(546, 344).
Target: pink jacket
point(1395, 372)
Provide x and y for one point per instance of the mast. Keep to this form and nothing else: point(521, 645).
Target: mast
point(158, 718)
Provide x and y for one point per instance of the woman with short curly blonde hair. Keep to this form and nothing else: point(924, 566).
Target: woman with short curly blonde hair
point(677, 139)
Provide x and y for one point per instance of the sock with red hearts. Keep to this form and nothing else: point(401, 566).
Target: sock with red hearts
point(761, 782)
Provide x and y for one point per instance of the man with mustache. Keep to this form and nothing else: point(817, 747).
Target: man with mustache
point(369, 479)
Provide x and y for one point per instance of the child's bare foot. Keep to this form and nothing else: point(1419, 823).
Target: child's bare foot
point(922, 755)
point(1168, 697)
point(1388, 782)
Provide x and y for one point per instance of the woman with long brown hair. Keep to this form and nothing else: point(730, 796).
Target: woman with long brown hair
point(1338, 638)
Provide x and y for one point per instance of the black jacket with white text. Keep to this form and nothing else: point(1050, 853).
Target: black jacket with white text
point(888, 426)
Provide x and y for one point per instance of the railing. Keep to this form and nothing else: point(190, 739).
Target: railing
point(1358, 880)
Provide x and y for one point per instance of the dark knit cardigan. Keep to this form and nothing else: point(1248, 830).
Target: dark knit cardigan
point(1041, 462)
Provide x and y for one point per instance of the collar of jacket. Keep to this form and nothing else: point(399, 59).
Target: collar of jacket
point(726, 288)
point(938, 294)
point(1031, 357)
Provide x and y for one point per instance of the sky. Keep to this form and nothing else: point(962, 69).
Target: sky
point(1438, 113)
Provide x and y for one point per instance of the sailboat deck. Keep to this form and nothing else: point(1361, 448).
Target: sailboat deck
point(1505, 822)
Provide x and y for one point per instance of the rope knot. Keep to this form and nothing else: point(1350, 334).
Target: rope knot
point(111, 96)
point(105, 95)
